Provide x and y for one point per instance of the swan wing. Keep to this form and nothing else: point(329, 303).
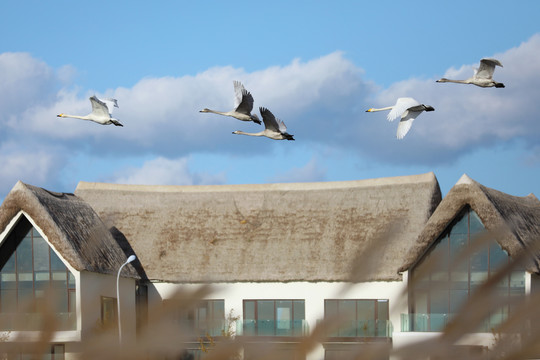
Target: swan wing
point(282, 127)
point(269, 120)
point(402, 104)
point(246, 105)
point(487, 68)
point(243, 99)
point(99, 108)
point(111, 104)
point(406, 122)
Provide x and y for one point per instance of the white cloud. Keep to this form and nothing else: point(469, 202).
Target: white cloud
point(467, 117)
point(322, 101)
point(162, 171)
point(31, 166)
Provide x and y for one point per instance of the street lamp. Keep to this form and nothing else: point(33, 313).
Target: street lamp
point(129, 259)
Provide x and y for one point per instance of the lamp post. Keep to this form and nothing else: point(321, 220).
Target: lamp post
point(129, 259)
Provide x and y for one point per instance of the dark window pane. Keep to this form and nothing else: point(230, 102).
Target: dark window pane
point(457, 298)
point(348, 318)
point(382, 320)
point(249, 318)
point(330, 308)
point(434, 298)
point(497, 257)
point(41, 254)
point(461, 226)
point(9, 267)
point(24, 256)
point(56, 263)
point(26, 278)
point(476, 225)
point(265, 310)
point(265, 317)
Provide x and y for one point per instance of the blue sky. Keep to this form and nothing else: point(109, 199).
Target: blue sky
point(316, 65)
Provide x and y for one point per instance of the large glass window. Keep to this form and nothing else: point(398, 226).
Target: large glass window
point(28, 274)
point(358, 318)
point(207, 317)
point(274, 317)
point(440, 291)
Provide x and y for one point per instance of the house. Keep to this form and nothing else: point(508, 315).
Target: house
point(276, 260)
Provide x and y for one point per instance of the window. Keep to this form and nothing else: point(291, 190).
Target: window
point(359, 318)
point(440, 294)
point(274, 317)
point(54, 352)
point(109, 312)
point(31, 272)
point(205, 318)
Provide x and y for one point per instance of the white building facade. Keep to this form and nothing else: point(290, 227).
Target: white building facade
point(303, 271)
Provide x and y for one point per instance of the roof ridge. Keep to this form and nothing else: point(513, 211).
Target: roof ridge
point(396, 180)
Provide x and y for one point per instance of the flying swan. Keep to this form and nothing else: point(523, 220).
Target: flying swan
point(101, 112)
point(408, 108)
point(243, 104)
point(483, 76)
point(273, 128)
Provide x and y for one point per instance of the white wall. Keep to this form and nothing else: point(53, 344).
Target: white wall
point(314, 295)
point(91, 288)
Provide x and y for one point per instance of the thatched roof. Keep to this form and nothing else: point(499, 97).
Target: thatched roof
point(73, 229)
point(268, 232)
point(515, 220)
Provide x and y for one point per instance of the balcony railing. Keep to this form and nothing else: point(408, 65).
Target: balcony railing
point(36, 321)
point(272, 328)
point(437, 322)
point(363, 328)
point(204, 328)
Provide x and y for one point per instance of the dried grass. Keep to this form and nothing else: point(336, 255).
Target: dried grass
point(516, 338)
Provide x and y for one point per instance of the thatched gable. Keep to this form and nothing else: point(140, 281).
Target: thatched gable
point(71, 226)
point(268, 232)
point(516, 220)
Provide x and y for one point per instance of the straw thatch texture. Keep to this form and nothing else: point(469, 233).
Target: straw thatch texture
point(515, 220)
point(74, 230)
point(270, 232)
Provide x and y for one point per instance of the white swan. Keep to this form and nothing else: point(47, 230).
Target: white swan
point(273, 128)
point(483, 76)
point(408, 108)
point(101, 112)
point(243, 104)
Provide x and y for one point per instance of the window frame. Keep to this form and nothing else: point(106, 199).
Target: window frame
point(188, 315)
point(259, 331)
point(378, 329)
point(108, 313)
point(10, 253)
point(421, 294)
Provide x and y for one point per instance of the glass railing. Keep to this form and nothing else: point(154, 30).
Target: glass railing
point(437, 322)
point(272, 328)
point(206, 328)
point(36, 322)
point(363, 328)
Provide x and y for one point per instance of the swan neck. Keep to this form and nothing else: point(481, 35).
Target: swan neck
point(75, 116)
point(215, 112)
point(249, 134)
point(456, 81)
point(382, 109)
